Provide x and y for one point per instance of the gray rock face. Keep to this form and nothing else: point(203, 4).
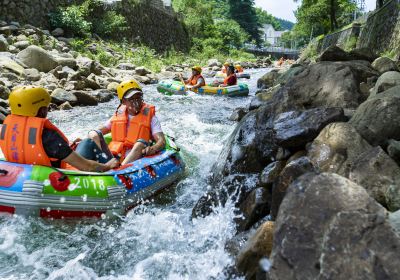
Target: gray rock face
point(60, 96)
point(295, 129)
point(268, 80)
point(255, 207)
point(271, 173)
point(336, 148)
point(394, 219)
point(386, 81)
point(377, 172)
point(394, 150)
point(313, 242)
point(384, 64)
point(38, 58)
point(363, 54)
point(237, 115)
point(325, 84)
point(378, 118)
point(290, 173)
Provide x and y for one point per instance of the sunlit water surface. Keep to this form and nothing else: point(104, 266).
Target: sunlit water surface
point(157, 240)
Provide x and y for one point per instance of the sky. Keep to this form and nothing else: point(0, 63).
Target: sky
point(284, 8)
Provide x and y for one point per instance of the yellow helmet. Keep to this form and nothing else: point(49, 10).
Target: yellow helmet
point(237, 66)
point(125, 86)
point(227, 64)
point(27, 100)
point(197, 68)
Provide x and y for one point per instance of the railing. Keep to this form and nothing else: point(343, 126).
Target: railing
point(271, 49)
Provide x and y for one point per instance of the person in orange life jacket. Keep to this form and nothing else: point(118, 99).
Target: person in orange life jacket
point(225, 68)
point(132, 128)
point(196, 80)
point(28, 137)
point(231, 78)
point(238, 68)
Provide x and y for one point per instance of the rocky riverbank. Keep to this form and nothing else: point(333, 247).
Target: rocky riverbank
point(30, 55)
point(313, 168)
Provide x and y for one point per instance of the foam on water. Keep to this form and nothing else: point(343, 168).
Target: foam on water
point(157, 240)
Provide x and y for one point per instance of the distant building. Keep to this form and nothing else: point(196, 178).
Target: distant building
point(271, 36)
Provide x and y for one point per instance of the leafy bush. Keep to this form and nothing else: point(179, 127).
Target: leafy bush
point(110, 23)
point(72, 20)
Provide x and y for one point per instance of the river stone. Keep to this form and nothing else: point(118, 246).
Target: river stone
point(271, 173)
point(384, 64)
point(394, 219)
point(321, 217)
point(9, 64)
point(112, 87)
point(142, 71)
point(84, 98)
point(256, 206)
point(21, 45)
point(291, 172)
point(57, 32)
point(268, 80)
point(65, 61)
point(295, 129)
point(324, 84)
point(3, 44)
point(60, 96)
point(386, 81)
point(237, 114)
point(65, 106)
point(378, 118)
point(32, 74)
point(38, 58)
point(334, 53)
point(376, 172)
point(102, 95)
point(4, 92)
point(213, 63)
point(336, 148)
point(256, 248)
point(394, 150)
point(126, 66)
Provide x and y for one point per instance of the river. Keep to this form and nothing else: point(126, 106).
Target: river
point(157, 240)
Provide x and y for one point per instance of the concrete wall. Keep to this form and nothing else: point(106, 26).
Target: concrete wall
point(342, 38)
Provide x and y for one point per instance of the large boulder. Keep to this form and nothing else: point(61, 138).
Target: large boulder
point(379, 175)
point(271, 172)
point(84, 98)
point(11, 65)
point(378, 118)
point(336, 148)
point(363, 54)
point(295, 129)
point(60, 96)
point(325, 84)
point(384, 64)
point(393, 150)
point(268, 80)
point(330, 228)
point(38, 58)
point(334, 53)
point(102, 95)
point(385, 82)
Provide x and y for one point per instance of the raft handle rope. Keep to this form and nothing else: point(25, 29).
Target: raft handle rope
point(3, 172)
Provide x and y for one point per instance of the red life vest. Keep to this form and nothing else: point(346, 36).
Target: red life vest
point(21, 140)
point(194, 79)
point(227, 80)
point(124, 136)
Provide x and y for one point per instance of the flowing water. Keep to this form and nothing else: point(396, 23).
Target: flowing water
point(157, 240)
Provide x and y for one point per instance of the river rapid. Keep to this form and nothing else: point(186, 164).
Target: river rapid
point(157, 240)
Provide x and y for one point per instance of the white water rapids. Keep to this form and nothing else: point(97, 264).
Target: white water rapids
point(155, 241)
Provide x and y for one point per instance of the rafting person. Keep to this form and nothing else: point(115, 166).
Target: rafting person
point(225, 67)
point(133, 127)
point(28, 137)
point(231, 79)
point(238, 68)
point(196, 80)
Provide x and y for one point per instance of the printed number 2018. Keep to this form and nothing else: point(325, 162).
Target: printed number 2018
point(86, 183)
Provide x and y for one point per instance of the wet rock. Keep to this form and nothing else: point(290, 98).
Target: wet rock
point(3, 44)
point(58, 32)
point(394, 150)
point(291, 172)
point(126, 66)
point(336, 148)
point(297, 155)
point(38, 58)
point(378, 118)
point(259, 246)
point(386, 81)
point(271, 173)
point(321, 217)
point(65, 106)
point(295, 129)
point(32, 74)
point(102, 95)
point(377, 172)
point(268, 80)
point(334, 53)
point(324, 84)
point(237, 114)
point(262, 97)
point(234, 188)
point(142, 71)
point(60, 96)
point(256, 206)
point(4, 92)
point(384, 64)
point(394, 219)
point(84, 98)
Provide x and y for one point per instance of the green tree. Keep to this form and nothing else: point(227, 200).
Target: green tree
point(244, 12)
point(265, 18)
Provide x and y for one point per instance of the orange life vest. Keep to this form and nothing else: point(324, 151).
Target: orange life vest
point(124, 136)
point(194, 79)
point(21, 140)
point(239, 69)
point(227, 79)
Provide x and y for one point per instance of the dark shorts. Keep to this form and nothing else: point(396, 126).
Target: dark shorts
point(88, 149)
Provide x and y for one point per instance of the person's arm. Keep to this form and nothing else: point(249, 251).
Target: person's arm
point(199, 84)
point(158, 146)
point(83, 164)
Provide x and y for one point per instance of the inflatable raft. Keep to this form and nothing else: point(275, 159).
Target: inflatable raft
point(47, 192)
point(175, 87)
point(221, 76)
